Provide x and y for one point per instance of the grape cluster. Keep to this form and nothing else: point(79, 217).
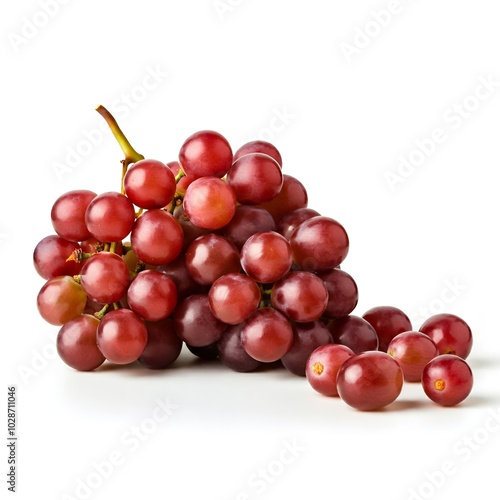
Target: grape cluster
point(219, 251)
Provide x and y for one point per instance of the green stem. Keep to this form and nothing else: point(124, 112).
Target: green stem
point(100, 314)
point(131, 155)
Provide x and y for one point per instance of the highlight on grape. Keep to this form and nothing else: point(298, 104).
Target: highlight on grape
point(218, 251)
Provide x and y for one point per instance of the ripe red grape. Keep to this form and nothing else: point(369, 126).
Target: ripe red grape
point(211, 256)
point(247, 220)
point(149, 184)
point(233, 297)
point(105, 277)
point(206, 153)
point(210, 203)
point(157, 237)
point(50, 257)
point(68, 214)
point(231, 351)
point(77, 343)
point(412, 350)
point(355, 333)
point(152, 295)
point(194, 322)
point(255, 178)
point(290, 221)
point(266, 335)
point(323, 365)
point(451, 334)
point(122, 336)
point(163, 346)
point(60, 300)
point(388, 322)
point(109, 217)
point(259, 147)
point(447, 379)
point(319, 244)
point(306, 338)
point(302, 296)
point(266, 257)
point(342, 293)
point(370, 380)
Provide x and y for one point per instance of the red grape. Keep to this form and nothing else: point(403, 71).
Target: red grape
point(259, 147)
point(319, 244)
point(163, 346)
point(68, 214)
point(233, 297)
point(302, 296)
point(210, 203)
point(370, 380)
point(255, 178)
point(290, 221)
point(231, 351)
point(186, 285)
point(266, 257)
point(447, 379)
point(157, 237)
point(60, 300)
point(388, 322)
point(50, 257)
point(77, 344)
point(149, 184)
point(266, 335)
point(105, 277)
point(342, 293)
point(211, 256)
point(152, 295)
point(323, 366)
point(206, 153)
point(355, 333)
point(412, 350)
point(451, 334)
point(109, 217)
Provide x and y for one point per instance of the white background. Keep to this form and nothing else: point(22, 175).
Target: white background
point(341, 118)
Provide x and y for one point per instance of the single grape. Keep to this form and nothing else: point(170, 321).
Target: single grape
point(301, 296)
point(266, 335)
point(306, 338)
point(231, 351)
point(152, 295)
point(163, 346)
point(293, 195)
point(247, 220)
point(50, 257)
point(68, 214)
point(210, 203)
point(105, 277)
point(194, 322)
point(319, 244)
point(255, 178)
point(233, 297)
point(370, 380)
point(157, 237)
point(447, 379)
point(355, 333)
point(412, 350)
point(259, 147)
point(342, 293)
point(109, 217)
point(451, 334)
point(290, 221)
point(206, 153)
point(77, 344)
point(60, 300)
point(388, 322)
point(323, 366)
point(211, 256)
point(149, 184)
point(122, 336)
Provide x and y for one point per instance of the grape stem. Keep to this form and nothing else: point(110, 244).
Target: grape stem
point(131, 155)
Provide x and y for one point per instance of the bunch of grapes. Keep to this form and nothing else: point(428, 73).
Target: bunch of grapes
point(219, 251)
